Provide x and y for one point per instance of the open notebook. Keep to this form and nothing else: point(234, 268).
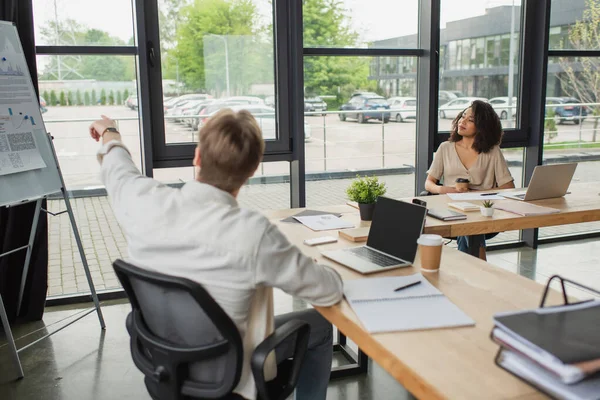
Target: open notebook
point(380, 309)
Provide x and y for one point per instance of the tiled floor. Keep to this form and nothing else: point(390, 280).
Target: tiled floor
point(82, 362)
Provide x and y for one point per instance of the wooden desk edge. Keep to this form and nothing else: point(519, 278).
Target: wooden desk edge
point(398, 370)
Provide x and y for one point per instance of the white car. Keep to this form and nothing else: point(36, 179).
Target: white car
point(453, 107)
point(265, 116)
point(502, 108)
point(402, 108)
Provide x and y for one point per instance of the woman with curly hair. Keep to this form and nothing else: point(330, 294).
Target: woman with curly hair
point(472, 153)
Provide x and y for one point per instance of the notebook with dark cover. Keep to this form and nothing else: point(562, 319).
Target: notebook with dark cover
point(445, 214)
point(570, 333)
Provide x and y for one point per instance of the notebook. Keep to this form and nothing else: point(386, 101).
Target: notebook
point(445, 214)
point(380, 309)
point(355, 235)
point(570, 333)
point(524, 209)
point(464, 206)
point(532, 373)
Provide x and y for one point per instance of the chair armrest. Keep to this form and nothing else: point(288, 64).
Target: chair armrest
point(259, 357)
point(425, 193)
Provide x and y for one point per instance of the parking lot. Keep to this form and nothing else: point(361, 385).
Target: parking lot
point(334, 145)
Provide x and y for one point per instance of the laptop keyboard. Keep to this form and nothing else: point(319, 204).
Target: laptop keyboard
point(376, 258)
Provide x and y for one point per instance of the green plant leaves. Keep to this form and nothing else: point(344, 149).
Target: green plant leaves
point(366, 190)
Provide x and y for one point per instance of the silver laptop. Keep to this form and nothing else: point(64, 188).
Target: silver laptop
point(392, 241)
point(547, 182)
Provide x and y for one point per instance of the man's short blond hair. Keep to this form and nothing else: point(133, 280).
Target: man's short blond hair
point(231, 148)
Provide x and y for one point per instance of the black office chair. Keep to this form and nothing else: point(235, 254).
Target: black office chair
point(187, 346)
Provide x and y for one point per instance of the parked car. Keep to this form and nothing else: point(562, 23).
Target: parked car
point(570, 111)
point(403, 108)
point(244, 99)
point(265, 116)
point(270, 101)
point(175, 113)
point(132, 102)
point(365, 107)
point(43, 105)
point(191, 109)
point(445, 96)
point(178, 101)
point(314, 104)
point(500, 105)
point(452, 108)
point(194, 121)
point(362, 93)
point(457, 93)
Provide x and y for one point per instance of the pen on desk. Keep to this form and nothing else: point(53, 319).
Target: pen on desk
point(489, 194)
point(406, 286)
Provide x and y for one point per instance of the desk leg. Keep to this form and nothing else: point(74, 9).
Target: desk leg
point(358, 362)
point(475, 244)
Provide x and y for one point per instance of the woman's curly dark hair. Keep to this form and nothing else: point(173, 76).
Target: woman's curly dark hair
point(487, 124)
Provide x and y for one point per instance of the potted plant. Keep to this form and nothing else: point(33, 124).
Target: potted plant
point(486, 208)
point(365, 192)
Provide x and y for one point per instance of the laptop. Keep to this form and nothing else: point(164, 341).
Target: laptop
point(392, 241)
point(547, 182)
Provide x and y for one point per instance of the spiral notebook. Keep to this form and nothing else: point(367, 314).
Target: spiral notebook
point(381, 309)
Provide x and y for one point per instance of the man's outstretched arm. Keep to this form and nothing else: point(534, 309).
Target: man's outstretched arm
point(123, 181)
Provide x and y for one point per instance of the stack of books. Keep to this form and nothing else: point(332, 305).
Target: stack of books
point(555, 349)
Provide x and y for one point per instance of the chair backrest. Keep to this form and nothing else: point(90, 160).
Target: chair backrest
point(181, 339)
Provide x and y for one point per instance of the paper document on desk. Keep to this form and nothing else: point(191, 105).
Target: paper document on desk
point(468, 196)
point(381, 309)
point(523, 208)
point(323, 222)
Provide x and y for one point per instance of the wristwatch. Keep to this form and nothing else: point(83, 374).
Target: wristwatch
point(110, 129)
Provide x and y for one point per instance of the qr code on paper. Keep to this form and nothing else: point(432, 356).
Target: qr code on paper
point(4, 144)
point(21, 141)
point(15, 160)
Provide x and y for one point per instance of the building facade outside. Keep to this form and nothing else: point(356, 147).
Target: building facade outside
point(475, 52)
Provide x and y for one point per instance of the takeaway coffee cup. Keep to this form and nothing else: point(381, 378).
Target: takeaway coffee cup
point(430, 247)
point(462, 183)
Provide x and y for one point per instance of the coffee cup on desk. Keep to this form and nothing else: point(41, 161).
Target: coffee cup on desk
point(430, 250)
point(462, 184)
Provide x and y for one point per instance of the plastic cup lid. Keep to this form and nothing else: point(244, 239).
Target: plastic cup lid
point(430, 240)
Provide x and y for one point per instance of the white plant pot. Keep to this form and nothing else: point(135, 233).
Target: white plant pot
point(486, 212)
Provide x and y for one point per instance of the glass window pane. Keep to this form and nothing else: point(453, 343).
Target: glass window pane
point(268, 189)
point(83, 23)
point(216, 55)
point(361, 24)
point(96, 85)
point(476, 47)
point(369, 126)
point(574, 25)
point(571, 126)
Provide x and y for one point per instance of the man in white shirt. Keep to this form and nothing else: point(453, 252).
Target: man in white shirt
point(199, 232)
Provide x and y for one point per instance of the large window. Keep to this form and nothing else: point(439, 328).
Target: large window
point(77, 86)
point(360, 109)
point(480, 50)
point(83, 23)
point(215, 55)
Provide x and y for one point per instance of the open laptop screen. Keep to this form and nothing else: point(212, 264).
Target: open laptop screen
point(396, 227)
